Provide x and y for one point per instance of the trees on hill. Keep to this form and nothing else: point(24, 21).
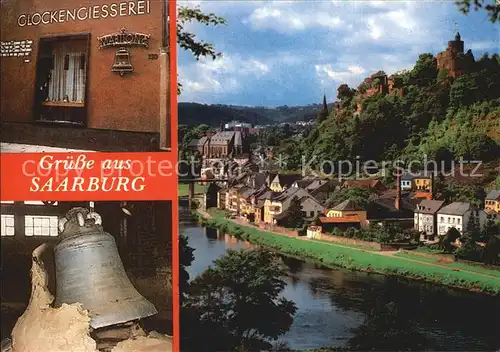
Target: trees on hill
point(436, 114)
point(225, 306)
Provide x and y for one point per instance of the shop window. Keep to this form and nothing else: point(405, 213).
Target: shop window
point(7, 225)
point(35, 225)
point(61, 79)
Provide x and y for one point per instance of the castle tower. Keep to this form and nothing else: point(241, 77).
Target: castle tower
point(457, 45)
point(451, 59)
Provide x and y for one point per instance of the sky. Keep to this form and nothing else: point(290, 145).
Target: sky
point(277, 53)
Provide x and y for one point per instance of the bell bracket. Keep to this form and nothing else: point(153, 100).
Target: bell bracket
point(79, 221)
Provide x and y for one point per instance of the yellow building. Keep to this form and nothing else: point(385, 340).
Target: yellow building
point(492, 201)
point(271, 209)
point(348, 208)
point(423, 183)
point(233, 199)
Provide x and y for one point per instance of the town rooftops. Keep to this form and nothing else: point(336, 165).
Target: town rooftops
point(340, 219)
point(222, 137)
point(203, 140)
point(456, 208)
point(247, 192)
point(259, 179)
point(347, 205)
point(316, 184)
point(428, 206)
point(288, 179)
point(303, 183)
point(368, 183)
point(493, 195)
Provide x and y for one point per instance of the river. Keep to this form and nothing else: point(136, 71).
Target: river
point(332, 303)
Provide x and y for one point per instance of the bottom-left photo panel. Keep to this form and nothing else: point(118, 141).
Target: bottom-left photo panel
point(86, 276)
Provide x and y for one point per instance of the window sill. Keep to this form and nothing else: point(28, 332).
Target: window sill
point(63, 104)
point(69, 123)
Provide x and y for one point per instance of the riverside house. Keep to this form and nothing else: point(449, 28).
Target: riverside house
point(417, 182)
point(233, 197)
point(277, 204)
point(425, 220)
point(457, 215)
point(346, 209)
point(492, 201)
point(309, 206)
point(328, 224)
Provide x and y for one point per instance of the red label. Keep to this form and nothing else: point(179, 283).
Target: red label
point(84, 176)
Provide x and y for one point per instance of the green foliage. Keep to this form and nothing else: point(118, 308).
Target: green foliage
point(446, 242)
point(186, 257)
point(424, 72)
point(492, 8)
point(439, 117)
point(352, 258)
point(387, 327)
point(491, 253)
point(226, 303)
point(442, 75)
point(188, 41)
point(473, 228)
point(358, 195)
point(295, 219)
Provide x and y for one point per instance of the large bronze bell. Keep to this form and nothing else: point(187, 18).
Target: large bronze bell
point(122, 62)
point(89, 270)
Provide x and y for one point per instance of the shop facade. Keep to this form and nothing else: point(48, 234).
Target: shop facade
point(93, 65)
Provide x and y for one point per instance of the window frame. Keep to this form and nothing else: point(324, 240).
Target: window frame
point(37, 105)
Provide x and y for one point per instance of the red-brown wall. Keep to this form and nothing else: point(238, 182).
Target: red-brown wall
point(129, 103)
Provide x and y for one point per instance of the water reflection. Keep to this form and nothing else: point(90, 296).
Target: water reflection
point(373, 311)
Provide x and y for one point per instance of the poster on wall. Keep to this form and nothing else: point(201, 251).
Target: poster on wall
point(16, 48)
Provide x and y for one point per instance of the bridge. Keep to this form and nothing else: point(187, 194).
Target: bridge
point(193, 181)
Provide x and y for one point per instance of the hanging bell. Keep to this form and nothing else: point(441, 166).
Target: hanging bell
point(89, 271)
point(122, 62)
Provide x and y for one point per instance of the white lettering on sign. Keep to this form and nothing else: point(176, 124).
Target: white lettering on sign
point(126, 8)
point(19, 48)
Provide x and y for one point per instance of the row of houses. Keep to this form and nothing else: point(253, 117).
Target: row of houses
point(265, 198)
point(434, 218)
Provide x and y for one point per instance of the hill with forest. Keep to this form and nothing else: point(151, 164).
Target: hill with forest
point(213, 115)
point(427, 110)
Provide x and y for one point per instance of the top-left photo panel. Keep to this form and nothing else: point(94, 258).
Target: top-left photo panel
point(85, 76)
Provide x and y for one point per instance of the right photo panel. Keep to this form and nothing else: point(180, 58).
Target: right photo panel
point(339, 175)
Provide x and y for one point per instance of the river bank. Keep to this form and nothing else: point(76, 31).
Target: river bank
point(334, 255)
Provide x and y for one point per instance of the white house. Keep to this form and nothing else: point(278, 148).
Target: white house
point(425, 219)
point(457, 215)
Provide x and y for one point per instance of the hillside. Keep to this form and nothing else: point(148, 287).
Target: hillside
point(410, 115)
point(213, 115)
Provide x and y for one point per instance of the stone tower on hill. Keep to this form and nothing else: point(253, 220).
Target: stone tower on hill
point(453, 58)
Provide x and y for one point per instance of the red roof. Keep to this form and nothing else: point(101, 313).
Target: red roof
point(426, 195)
point(340, 219)
point(367, 183)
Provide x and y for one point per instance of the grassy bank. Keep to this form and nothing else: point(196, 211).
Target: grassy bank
point(183, 189)
point(332, 255)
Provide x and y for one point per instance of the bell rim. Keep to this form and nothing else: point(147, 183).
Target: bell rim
point(97, 322)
